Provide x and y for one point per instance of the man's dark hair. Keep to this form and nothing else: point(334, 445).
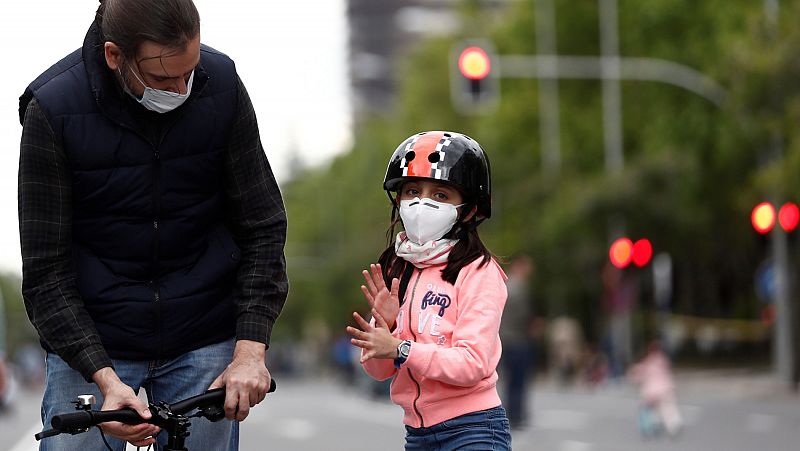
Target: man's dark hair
point(129, 23)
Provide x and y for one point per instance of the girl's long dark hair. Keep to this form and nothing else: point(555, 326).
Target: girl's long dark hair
point(468, 248)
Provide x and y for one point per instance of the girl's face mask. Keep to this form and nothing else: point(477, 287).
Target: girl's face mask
point(426, 219)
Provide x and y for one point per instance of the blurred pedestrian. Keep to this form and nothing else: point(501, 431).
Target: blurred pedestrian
point(343, 358)
point(151, 225)
point(620, 295)
point(595, 366)
point(658, 405)
point(516, 333)
point(436, 329)
point(566, 348)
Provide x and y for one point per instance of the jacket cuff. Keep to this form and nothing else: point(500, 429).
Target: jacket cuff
point(420, 356)
point(254, 327)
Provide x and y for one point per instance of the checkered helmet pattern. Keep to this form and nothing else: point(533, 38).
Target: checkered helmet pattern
point(447, 157)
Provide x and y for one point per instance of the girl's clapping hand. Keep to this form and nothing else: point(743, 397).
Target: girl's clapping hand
point(376, 340)
point(380, 298)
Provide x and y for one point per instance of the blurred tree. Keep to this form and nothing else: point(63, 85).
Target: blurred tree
point(692, 170)
point(18, 329)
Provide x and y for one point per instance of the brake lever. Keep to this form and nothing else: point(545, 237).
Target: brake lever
point(46, 433)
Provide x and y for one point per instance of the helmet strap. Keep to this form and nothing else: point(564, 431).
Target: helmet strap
point(394, 219)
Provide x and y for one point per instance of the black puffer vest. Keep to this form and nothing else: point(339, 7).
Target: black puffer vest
point(154, 261)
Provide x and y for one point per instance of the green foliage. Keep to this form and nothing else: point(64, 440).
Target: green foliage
point(692, 170)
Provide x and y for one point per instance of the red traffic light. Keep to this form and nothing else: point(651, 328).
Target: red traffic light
point(621, 252)
point(642, 252)
point(763, 217)
point(789, 216)
point(474, 63)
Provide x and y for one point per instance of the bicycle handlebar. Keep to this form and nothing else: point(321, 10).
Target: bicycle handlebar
point(87, 418)
point(84, 419)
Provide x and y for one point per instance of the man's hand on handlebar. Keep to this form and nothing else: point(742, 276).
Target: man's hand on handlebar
point(246, 379)
point(117, 395)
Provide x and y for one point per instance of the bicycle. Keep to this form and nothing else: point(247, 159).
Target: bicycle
point(169, 417)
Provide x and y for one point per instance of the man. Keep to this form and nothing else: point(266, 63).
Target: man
point(151, 225)
point(516, 334)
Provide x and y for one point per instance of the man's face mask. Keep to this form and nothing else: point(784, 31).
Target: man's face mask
point(161, 101)
point(426, 220)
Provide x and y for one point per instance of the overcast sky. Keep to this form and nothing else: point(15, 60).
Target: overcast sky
point(290, 54)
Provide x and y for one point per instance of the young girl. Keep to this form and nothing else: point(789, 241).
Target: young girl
point(435, 330)
point(658, 404)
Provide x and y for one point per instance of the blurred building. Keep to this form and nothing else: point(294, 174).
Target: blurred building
point(381, 32)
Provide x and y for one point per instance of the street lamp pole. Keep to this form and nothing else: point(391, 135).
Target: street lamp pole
point(783, 354)
point(549, 121)
point(612, 95)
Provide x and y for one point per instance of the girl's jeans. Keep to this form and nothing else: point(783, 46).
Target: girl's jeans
point(487, 430)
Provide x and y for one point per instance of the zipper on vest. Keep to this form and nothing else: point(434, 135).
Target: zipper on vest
point(411, 329)
point(155, 250)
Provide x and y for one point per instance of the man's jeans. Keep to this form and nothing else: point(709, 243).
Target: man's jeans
point(487, 430)
point(167, 380)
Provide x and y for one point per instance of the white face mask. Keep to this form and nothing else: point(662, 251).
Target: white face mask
point(426, 220)
point(161, 101)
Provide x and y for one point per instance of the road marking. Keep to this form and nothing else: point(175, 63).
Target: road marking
point(296, 429)
point(572, 445)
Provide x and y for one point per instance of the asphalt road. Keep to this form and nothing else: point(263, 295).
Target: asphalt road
point(720, 414)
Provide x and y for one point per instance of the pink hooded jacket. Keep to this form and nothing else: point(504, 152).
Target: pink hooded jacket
point(451, 368)
point(654, 377)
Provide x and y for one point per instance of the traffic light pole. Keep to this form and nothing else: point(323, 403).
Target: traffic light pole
point(549, 115)
point(783, 354)
point(783, 357)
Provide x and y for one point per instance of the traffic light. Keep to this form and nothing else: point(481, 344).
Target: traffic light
point(623, 252)
point(789, 216)
point(764, 217)
point(474, 83)
point(642, 252)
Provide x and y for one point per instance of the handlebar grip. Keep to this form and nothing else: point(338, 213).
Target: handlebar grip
point(209, 398)
point(85, 419)
point(127, 416)
point(73, 420)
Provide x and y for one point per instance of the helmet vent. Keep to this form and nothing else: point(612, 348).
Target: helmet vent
point(433, 157)
point(410, 155)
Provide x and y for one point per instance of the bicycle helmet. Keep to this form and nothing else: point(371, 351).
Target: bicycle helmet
point(443, 156)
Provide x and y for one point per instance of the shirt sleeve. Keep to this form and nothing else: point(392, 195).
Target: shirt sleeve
point(51, 297)
point(476, 344)
point(257, 218)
